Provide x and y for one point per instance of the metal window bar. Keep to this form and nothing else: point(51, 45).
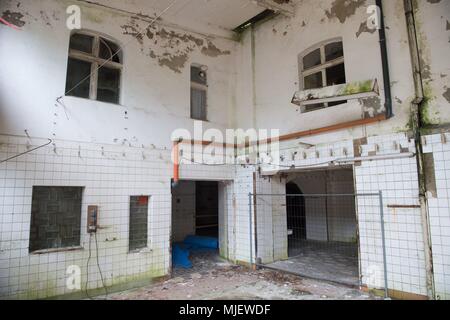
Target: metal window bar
point(333, 237)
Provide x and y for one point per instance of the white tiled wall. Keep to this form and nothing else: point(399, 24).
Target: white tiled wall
point(398, 180)
point(439, 212)
point(110, 175)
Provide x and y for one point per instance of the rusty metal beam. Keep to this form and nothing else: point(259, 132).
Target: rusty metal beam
point(287, 9)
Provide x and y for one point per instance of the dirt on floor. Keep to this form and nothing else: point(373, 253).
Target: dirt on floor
point(216, 279)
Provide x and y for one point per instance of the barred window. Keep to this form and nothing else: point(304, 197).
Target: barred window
point(55, 218)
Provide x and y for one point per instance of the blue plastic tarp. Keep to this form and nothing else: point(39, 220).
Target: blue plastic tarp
point(196, 242)
point(181, 251)
point(180, 256)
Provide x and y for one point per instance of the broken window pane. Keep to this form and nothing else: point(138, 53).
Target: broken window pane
point(198, 75)
point(78, 71)
point(314, 107)
point(313, 81)
point(138, 237)
point(108, 85)
point(312, 59)
point(333, 51)
point(81, 42)
point(55, 218)
point(198, 104)
point(336, 75)
point(109, 50)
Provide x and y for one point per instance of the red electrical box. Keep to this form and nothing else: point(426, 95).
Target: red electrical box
point(92, 219)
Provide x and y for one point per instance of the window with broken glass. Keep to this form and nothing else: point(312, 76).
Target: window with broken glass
point(321, 67)
point(199, 90)
point(94, 68)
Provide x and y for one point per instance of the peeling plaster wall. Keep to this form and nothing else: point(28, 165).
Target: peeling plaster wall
point(281, 40)
point(432, 24)
point(155, 91)
point(113, 151)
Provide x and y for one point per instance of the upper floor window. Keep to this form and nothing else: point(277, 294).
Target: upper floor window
point(199, 92)
point(320, 67)
point(94, 68)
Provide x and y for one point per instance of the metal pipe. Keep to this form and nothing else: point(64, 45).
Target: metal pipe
point(383, 240)
point(385, 62)
point(176, 163)
point(250, 228)
point(339, 162)
point(375, 158)
point(417, 122)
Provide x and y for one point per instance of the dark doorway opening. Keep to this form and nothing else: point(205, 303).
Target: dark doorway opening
point(195, 227)
point(296, 215)
point(207, 209)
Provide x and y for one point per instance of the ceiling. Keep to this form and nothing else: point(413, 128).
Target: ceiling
point(216, 17)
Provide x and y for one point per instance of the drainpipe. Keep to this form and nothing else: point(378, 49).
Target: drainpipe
point(385, 62)
point(416, 117)
point(176, 163)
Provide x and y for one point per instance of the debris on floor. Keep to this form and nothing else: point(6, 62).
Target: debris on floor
point(213, 278)
point(181, 252)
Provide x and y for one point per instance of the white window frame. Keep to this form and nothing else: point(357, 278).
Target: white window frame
point(96, 61)
point(202, 87)
point(322, 67)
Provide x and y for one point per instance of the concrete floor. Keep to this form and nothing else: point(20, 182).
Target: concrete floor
point(215, 279)
point(336, 262)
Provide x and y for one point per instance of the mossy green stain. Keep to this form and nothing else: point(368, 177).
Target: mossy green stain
point(358, 87)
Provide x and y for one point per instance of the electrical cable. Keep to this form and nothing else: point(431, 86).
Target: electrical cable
point(50, 141)
point(87, 268)
point(98, 266)
point(99, 269)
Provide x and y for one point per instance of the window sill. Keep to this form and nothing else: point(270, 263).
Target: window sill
point(143, 250)
point(98, 101)
point(48, 251)
point(342, 92)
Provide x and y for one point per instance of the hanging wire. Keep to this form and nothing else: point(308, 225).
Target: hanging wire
point(50, 141)
point(99, 269)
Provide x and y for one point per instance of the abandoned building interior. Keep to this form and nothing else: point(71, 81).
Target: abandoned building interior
point(108, 107)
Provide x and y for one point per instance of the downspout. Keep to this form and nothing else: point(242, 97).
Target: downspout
point(385, 62)
point(176, 163)
point(416, 120)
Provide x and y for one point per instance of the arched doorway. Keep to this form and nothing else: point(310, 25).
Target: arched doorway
point(296, 217)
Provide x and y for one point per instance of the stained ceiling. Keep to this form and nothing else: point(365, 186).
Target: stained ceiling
point(215, 17)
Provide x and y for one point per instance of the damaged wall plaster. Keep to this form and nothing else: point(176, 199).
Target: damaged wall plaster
point(15, 18)
point(343, 9)
point(171, 49)
point(155, 79)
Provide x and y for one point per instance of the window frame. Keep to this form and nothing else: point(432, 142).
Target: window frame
point(322, 67)
point(200, 87)
point(96, 62)
point(148, 242)
point(74, 247)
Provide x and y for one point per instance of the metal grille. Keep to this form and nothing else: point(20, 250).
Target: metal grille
point(332, 237)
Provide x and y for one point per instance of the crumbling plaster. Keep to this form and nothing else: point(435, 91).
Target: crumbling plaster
point(434, 37)
point(280, 41)
point(155, 90)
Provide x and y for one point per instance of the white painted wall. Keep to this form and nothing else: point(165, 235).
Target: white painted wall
point(115, 156)
point(155, 97)
point(328, 218)
point(281, 40)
